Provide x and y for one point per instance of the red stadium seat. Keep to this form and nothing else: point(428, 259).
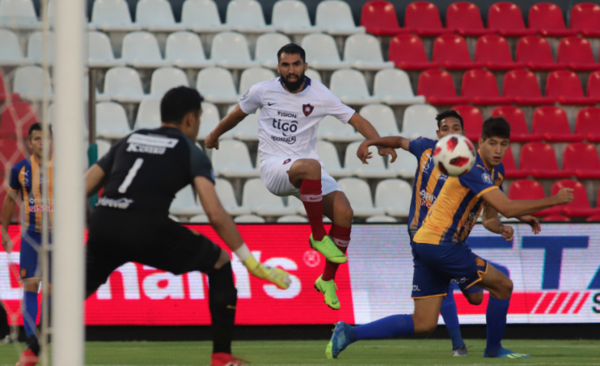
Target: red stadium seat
point(523, 86)
point(539, 159)
point(408, 53)
point(582, 160)
point(548, 20)
point(593, 86)
point(535, 52)
point(593, 218)
point(438, 88)
point(553, 125)
point(556, 218)
point(506, 19)
point(565, 87)
point(452, 52)
point(473, 120)
point(576, 53)
point(380, 19)
point(11, 152)
point(585, 19)
point(510, 168)
point(530, 190)
point(518, 126)
point(464, 18)
point(588, 123)
point(4, 95)
point(493, 51)
point(580, 207)
point(16, 119)
point(480, 87)
point(423, 18)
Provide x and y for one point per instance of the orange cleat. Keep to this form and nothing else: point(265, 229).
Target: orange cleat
point(224, 359)
point(28, 358)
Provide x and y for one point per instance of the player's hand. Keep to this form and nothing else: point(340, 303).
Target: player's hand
point(7, 243)
point(363, 152)
point(533, 222)
point(211, 142)
point(564, 196)
point(275, 275)
point(388, 151)
point(507, 232)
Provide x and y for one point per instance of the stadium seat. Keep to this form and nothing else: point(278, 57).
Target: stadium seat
point(252, 76)
point(576, 53)
point(246, 16)
point(227, 197)
point(331, 129)
point(565, 87)
point(232, 159)
point(580, 207)
point(16, 119)
point(518, 126)
point(247, 130)
point(18, 14)
point(29, 83)
point(249, 219)
point(351, 87)
point(148, 115)
point(216, 85)
point(530, 190)
point(156, 16)
point(394, 196)
point(329, 156)
point(473, 120)
point(464, 18)
point(291, 219)
point(405, 165)
point(438, 88)
point(408, 53)
point(35, 47)
point(419, 120)
point(335, 18)
point(552, 124)
point(140, 50)
point(267, 46)
point(202, 16)
point(538, 159)
point(10, 51)
point(100, 53)
point(582, 160)
point(11, 152)
point(262, 202)
point(510, 168)
point(451, 52)
point(382, 118)
point(393, 87)
point(322, 53)
point(314, 75)
point(587, 124)
point(199, 219)
point(359, 195)
point(4, 94)
point(506, 19)
point(556, 218)
point(112, 15)
point(295, 203)
point(209, 120)
point(522, 85)
point(291, 17)
point(124, 85)
point(479, 87)
point(111, 121)
point(585, 19)
point(380, 219)
point(363, 51)
point(423, 18)
point(379, 18)
point(535, 53)
point(230, 50)
point(547, 19)
point(166, 78)
point(375, 168)
point(184, 50)
point(494, 53)
point(103, 148)
point(185, 203)
point(593, 85)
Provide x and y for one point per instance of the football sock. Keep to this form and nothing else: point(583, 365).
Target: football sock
point(30, 312)
point(312, 198)
point(222, 303)
point(495, 317)
point(394, 325)
point(341, 237)
point(448, 311)
point(4, 328)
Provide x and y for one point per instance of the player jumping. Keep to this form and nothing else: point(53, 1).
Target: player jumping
point(291, 108)
point(441, 254)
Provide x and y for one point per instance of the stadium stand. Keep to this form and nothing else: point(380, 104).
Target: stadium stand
point(247, 130)
point(331, 129)
point(166, 78)
point(112, 15)
point(351, 87)
point(185, 50)
point(381, 219)
point(375, 169)
point(593, 86)
point(249, 219)
point(536, 54)
point(518, 126)
point(552, 124)
point(419, 120)
point(329, 156)
point(11, 152)
point(405, 165)
point(156, 16)
point(267, 46)
point(292, 219)
point(246, 16)
point(216, 85)
point(423, 18)
point(230, 50)
point(10, 50)
point(291, 17)
point(576, 54)
point(262, 202)
point(506, 19)
point(123, 84)
point(548, 20)
point(438, 88)
point(29, 83)
point(565, 87)
point(185, 203)
point(408, 53)
point(111, 121)
point(382, 118)
point(232, 160)
point(393, 195)
point(473, 120)
point(226, 195)
point(100, 53)
point(202, 16)
point(18, 14)
point(295, 202)
point(580, 207)
point(210, 120)
point(587, 124)
point(452, 52)
point(530, 190)
point(585, 19)
point(480, 87)
point(464, 18)
point(538, 160)
point(322, 53)
point(16, 119)
point(141, 50)
point(510, 168)
point(393, 87)
point(581, 159)
point(359, 195)
point(522, 85)
point(493, 52)
point(254, 75)
point(363, 52)
point(379, 18)
point(335, 18)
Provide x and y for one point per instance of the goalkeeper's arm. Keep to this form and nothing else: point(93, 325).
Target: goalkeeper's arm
point(225, 227)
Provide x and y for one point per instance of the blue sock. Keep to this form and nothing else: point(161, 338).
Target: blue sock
point(495, 317)
point(30, 312)
point(395, 325)
point(448, 311)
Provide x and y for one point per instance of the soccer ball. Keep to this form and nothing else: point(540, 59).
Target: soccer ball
point(454, 155)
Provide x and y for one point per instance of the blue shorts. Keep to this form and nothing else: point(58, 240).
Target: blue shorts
point(31, 243)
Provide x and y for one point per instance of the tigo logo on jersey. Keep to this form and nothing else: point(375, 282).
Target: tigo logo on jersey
point(307, 109)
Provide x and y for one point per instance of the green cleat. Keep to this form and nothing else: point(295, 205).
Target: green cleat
point(328, 249)
point(328, 289)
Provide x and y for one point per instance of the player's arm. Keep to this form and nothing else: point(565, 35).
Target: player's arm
point(231, 120)
point(8, 208)
point(492, 223)
point(94, 180)
point(366, 129)
point(394, 142)
point(516, 208)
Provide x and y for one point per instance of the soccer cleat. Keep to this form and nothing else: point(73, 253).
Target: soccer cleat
point(328, 249)
point(505, 353)
point(28, 358)
point(328, 289)
point(460, 351)
point(339, 340)
point(226, 359)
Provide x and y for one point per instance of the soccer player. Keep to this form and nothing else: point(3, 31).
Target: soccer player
point(141, 175)
point(441, 253)
point(26, 178)
point(292, 106)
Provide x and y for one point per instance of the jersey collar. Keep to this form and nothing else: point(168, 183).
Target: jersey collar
point(306, 83)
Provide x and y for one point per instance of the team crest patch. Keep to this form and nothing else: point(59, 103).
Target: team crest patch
point(479, 262)
point(23, 273)
point(486, 178)
point(287, 161)
point(307, 109)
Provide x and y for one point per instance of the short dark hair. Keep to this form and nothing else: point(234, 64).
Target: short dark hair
point(495, 127)
point(178, 102)
point(37, 127)
point(450, 113)
point(292, 49)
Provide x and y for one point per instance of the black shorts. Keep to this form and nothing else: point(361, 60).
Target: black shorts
point(117, 237)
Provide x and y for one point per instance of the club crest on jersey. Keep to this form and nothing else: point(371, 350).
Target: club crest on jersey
point(307, 109)
point(486, 178)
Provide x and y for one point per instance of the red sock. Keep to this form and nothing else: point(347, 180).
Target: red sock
point(341, 237)
point(312, 198)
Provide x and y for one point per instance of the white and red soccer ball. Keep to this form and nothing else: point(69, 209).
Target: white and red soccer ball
point(454, 155)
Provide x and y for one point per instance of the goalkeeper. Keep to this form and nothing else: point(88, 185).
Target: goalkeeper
point(141, 175)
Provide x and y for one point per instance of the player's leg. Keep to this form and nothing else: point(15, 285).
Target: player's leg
point(450, 316)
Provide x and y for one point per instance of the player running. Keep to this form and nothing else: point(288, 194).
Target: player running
point(441, 254)
point(291, 108)
point(26, 178)
point(141, 175)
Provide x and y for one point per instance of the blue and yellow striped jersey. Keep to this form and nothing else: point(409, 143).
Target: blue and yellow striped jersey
point(458, 205)
point(27, 177)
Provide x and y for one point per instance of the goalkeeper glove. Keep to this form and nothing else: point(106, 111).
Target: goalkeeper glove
point(274, 275)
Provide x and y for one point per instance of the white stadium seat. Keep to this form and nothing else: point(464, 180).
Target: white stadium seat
point(209, 120)
point(199, 219)
point(140, 50)
point(254, 75)
point(156, 16)
point(18, 14)
point(247, 130)
point(111, 121)
point(35, 47)
point(394, 196)
point(175, 218)
point(380, 219)
point(382, 118)
point(393, 87)
point(295, 202)
point(202, 16)
point(103, 148)
point(10, 51)
point(331, 129)
point(363, 51)
point(249, 219)
point(292, 219)
point(216, 85)
point(267, 46)
point(351, 87)
point(232, 159)
point(166, 78)
point(230, 50)
point(314, 75)
point(419, 120)
point(322, 53)
point(29, 83)
point(148, 115)
point(185, 203)
point(359, 195)
point(100, 53)
point(375, 168)
point(124, 85)
point(184, 50)
point(262, 202)
point(335, 17)
point(227, 197)
point(329, 156)
point(405, 164)
point(291, 17)
point(246, 16)
point(112, 15)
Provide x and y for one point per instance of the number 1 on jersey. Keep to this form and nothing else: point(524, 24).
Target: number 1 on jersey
point(132, 172)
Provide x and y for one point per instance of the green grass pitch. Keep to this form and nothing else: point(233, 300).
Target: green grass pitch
point(387, 352)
